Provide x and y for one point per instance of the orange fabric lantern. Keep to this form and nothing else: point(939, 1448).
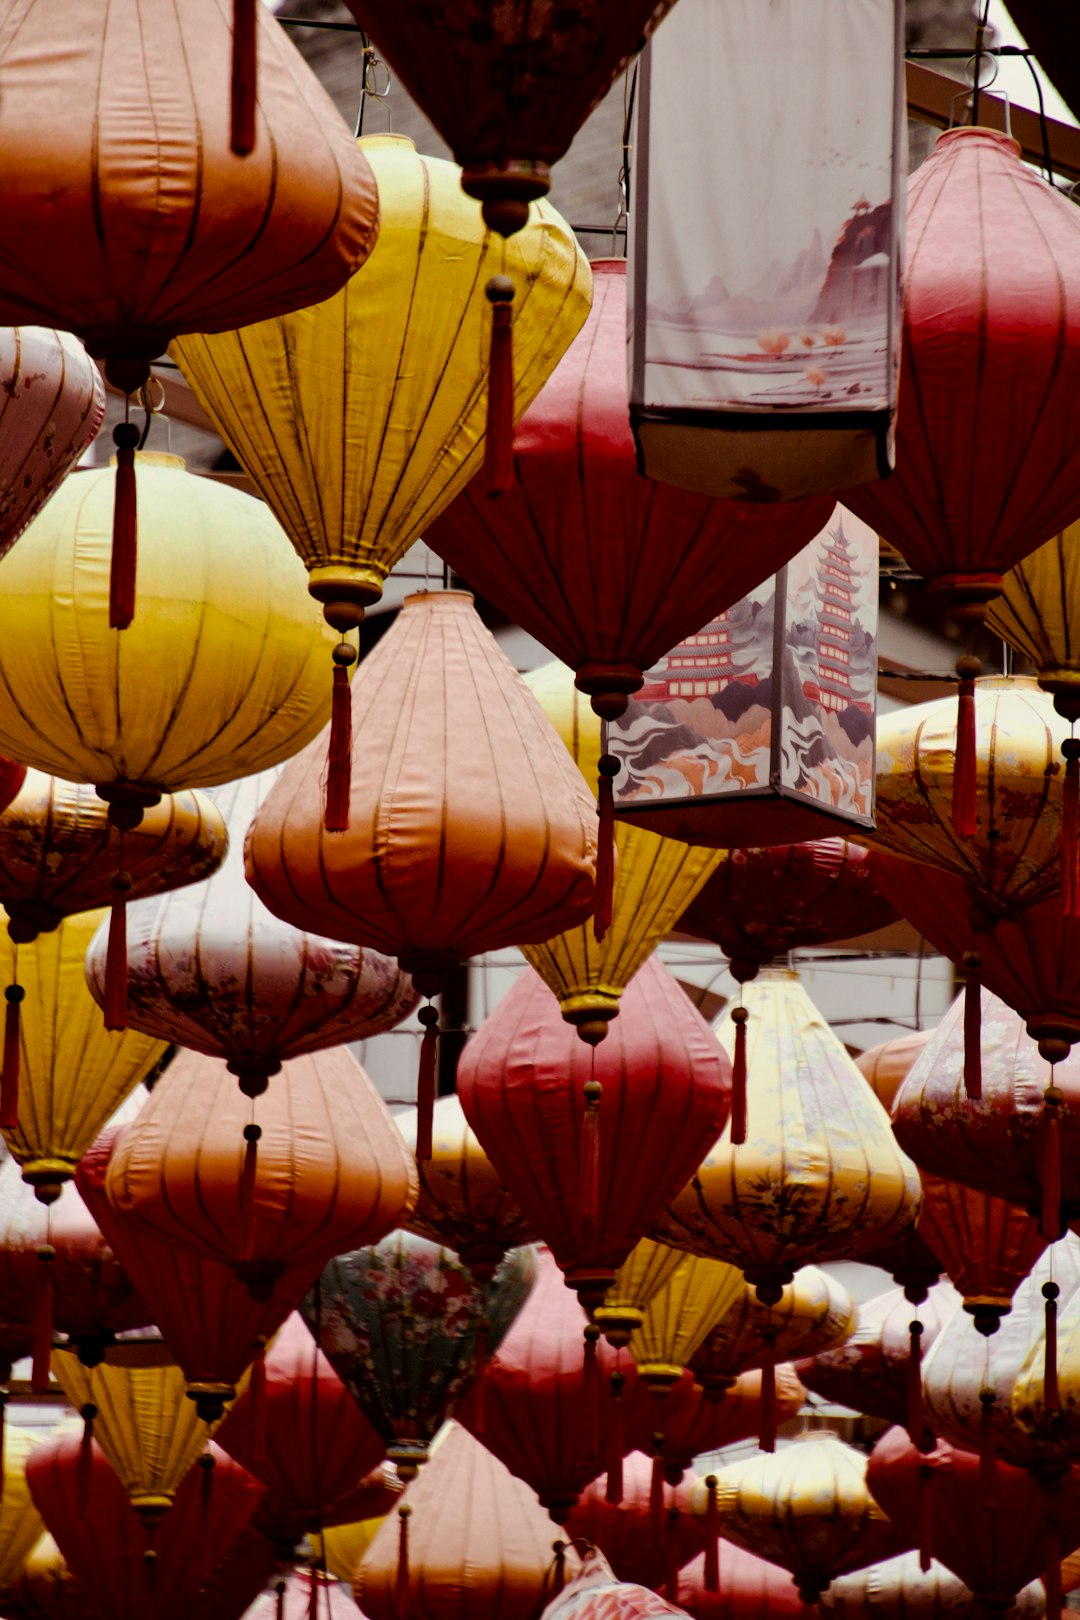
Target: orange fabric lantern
point(986, 1245)
point(324, 1169)
point(469, 829)
point(887, 1066)
point(592, 1179)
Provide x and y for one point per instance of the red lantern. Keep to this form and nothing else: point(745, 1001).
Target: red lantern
point(212, 1324)
point(986, 1245)
point(988, 426)
point(302, 1435)
point(692, 1420)
point(746, 1588)
point(597, 1595)
point(651, 1532)
point(996, 1542)
point(592, 1180)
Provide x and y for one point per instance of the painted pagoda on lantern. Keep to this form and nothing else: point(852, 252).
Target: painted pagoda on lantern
point(760, 728)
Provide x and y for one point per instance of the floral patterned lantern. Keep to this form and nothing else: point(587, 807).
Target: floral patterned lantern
point(400, 1324)
point(53, 405)
point(601, 1175)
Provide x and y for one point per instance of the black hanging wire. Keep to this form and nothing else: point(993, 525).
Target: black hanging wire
point(1044, 128)
point(980, 32)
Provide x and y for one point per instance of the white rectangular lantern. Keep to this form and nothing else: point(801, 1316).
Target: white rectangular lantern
point(765, 246)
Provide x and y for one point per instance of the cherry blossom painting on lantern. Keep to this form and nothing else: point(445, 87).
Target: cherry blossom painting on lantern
point(776, 694)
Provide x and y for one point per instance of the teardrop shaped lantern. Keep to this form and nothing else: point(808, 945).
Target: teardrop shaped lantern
point(871, 1372)
point(808, 1507)
point(211, 968)
point(987, 458)
point(900, 1589)
point(642, 1536)
point(654, 878)
point(466, 1525)
point(400, 1325)
point(986, 1245)
point(300, 1432)
point(647, 1269)
point(1043, 1400)
point(73, 1074)
point(463, 1203)
point(451, 850)
point(819, 1175)
point(814, 1313)
point(763, 903)
point(143, 1422)
point(571, 1127)
point(321, 1166)
point(53, 405)
point(210, 1321)
point(698, 1294)
point(357, 472)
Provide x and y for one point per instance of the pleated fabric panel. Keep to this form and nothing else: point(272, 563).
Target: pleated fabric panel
point(74, 1074)
point(645, 1271)
point(655, 878)
point(899, 1589)
point(463, 1203)
point(331, 1169)
point(211, 968)
point(693, 1421)
point(820, 1174)
point(607, 569)
point(20, 1520)
point(869, 1371)
point(887, 1066)
point(521, 1082)
point(986, 1244)
point(1048, 1432)
point(1014, 858)
point(127, 228)
point(697, 1295)
point(625, 1534)
point(751, 1588)
point(223, 669)
point(470, 828)
point(52, 405)
point(480, 1544)
point(814, 1312)
point(361, 417)
point(988, 425)
point(1036, 611)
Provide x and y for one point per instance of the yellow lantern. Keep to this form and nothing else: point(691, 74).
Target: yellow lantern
point(20, 1522)
point(1037, 614)
point(345, 1545)
point(73, 1073)
point(141, 1418)
point(820, 1175)
point(655, 880)
point(814, 1313)
point(646, 1270)
point(678, 1318)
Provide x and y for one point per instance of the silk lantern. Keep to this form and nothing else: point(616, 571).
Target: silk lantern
point(1043, 1400)
point(827, 1181)
point(654, 879)
point(324, 1166)
point(900, 1589)
point(648, 1533)
point(20, 1520)
point(452, 849)
point(690, 1420)
point(595, 1594)
point(986, 1245)
point(53, 405)
point(647, 1269)
point(462, 1203)
point(746, 1588)
point(212, 969)
point(212, 1323)
point(465, 1526)
point(402, 430)
point(401, 1324)
point(991, 337)
point(697, 1295)
point(814, 1312)
point(887, 1066)
point(591, 1179)
point(146, 271)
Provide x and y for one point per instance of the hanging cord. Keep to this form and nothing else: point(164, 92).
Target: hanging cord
point(122, 563)
point(9, 1079)
point(980, 34)
point(1044, 128)
point(622, 212)
point(369, 85)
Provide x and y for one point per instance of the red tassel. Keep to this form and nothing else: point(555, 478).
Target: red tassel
point(244, 64)
point(738, 1078)
point(767, 1438)
point(926, 1517)
point(339, 754)
point(125, 529)
point(499, 448)
point(671, 1555)
point(401, 1583)
point(916, 1417)
point(604, 893)
point(257, 1403)
point(43, 1323)
point(425, 1085)
point(86, 1456)
point(9, 1081)
point(965, 781)
point(1051, 1399)
point(1050, 1165)
point(590, 1394)
point(252, 1134)
point(973, 1025)
point(616, 1443)
point(590, 1153)
point(479, 1369)
point(987, 1475)
point(712, 1536)
point(1070, 829)
point(656, 1494)
point(116, 964)
point(1052, 1574)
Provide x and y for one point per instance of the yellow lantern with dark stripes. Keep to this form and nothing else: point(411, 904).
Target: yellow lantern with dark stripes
point(1038, 613)
point(655, 880)
point(646, 1270)
point(679, 1316)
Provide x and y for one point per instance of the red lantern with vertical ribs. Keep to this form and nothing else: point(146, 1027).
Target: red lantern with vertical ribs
point(123, 1571)
point(986, 1245)
point(988, 425)
point(303, 1436)
point(648, 1532)
point(747, 1588)
point(522, 1079)
point(996, 1543)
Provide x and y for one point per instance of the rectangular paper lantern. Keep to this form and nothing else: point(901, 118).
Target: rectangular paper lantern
point(761, 728)
point(765, 246)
